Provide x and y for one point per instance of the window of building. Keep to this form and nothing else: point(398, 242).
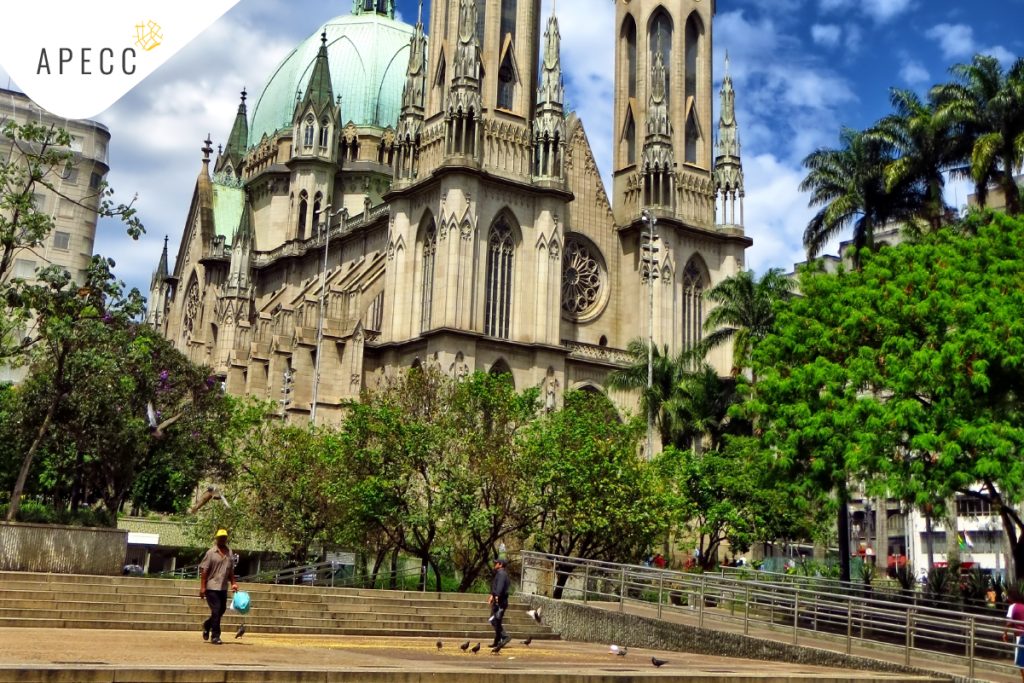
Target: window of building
point(500, 256)
point(316, 214)
point(694, 32)
point(481, 21)
point(629, 41)
point(427, 295)
point(307, 135)
point(300, 231)
point(61, 239)
point(69, 174)
point(76, 143)
point(24, 268)
point(508, 20)
point(629, 137)
point(693, 305)
point(66, 208)
point(101, 151)
point(506, 82)
point(660, 38)
point(95, 180)
point(325, 134)
point(39, 202)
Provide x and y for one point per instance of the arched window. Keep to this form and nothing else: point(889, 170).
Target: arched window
point(307, 133)
point(693, 304)
point(316, 214)
point(506, 81)
point(508, 20)
point(498, 289)
point(694, 35)
point(502, 369)
point(659, 37)
point(629, 137)
point(481, 21)
point(325, 134)
point(300, 232)
point(629, 44)
point(427, 296)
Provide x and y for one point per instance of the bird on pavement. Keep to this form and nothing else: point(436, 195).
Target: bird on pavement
point(439, 645)
point(464, 646)
point(528, 640)
point(658, 663)
point(534, 614)
point(475, 648)
point(240, 632)
point(497, 648)
point(622, 652)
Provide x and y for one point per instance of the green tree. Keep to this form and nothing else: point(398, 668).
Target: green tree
point(926, 146)
point(849, 184)
point(668, 371)
point(744, 312)
point(700, 410)
point(597, 497)
point(987, 103)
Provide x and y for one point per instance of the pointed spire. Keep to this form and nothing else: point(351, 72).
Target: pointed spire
point(416, 73)
point(658, 123)
point(551, 88)
point(241, 251)
point(467, 53)
point(238, 140)
point(207, 151)
point(728, 172)
point(319, 92)
point(160, 274)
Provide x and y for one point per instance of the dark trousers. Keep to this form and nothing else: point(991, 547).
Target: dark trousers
point(218, 602)
point(497, 616)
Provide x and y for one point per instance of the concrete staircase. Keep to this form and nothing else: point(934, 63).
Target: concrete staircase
point(95, 602)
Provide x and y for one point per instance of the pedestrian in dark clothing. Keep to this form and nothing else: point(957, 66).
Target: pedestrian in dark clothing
point(216, 573)
point(498, 600)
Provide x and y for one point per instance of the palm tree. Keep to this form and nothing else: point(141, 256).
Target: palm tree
point(744, 313)
point(925, 141)
point(849, 185)
point(699, 409)
point(669, 370)
point(987, 103)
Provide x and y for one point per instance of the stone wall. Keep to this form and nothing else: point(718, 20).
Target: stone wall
point(574, 621)
point(55, 549)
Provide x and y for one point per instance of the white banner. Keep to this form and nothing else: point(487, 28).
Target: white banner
point(77, 58)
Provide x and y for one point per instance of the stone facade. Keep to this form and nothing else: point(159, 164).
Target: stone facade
point(471, 232)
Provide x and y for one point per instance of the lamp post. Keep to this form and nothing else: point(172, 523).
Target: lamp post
point(320, 313)
point(649, 251)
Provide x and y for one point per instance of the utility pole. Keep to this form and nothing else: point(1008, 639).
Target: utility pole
point(649, 257)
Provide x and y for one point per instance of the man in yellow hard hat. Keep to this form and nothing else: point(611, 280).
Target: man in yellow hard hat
point(216, 573)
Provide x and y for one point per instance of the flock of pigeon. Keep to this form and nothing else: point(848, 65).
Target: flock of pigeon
point(535, 614)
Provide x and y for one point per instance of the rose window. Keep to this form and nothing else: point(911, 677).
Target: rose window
point(581, 279)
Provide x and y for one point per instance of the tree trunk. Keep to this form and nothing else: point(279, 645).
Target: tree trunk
point(393, 581)
point(882, 534)
point(952, 533)
point(424, 565)
point(26, 464)
point(843, 526)
point(564, 572)
point(437, 575)
point(931, 541)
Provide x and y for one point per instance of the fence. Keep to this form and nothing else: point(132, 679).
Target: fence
point(56, 549)
point(797, 608)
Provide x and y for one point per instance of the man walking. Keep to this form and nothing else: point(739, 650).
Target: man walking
point(498, 600)
point(216, 573)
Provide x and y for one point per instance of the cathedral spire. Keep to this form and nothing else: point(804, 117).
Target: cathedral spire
point(383, 7)
point(549, 117)
point(238, 141)
point(467, 56)
point(410, 123)
point(658, 157)
point(241, 252)
point(658, 123)
point(319, 93)
point(464, 104)
point(160, 274)
point(728, 165)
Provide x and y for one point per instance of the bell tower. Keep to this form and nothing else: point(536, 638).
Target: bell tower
point(663, 93)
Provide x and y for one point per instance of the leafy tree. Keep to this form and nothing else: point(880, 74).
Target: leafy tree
point(850, 186)
point(700, 409)
point(38, 158)
point(987, 103)
point(744, 312)
point(668, 372)
point(926, 144)
point(597, 498)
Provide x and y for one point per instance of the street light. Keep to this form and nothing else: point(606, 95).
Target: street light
point(320, 316)
point(649, 256)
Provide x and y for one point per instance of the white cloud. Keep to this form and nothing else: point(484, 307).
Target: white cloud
point(826, 34)
point(853, 37)
point(885, 10)
point(914, 74)
point(776, 212)
point(956, 41)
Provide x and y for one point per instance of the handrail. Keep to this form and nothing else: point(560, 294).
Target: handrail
point(327, 574)
point(797, 608)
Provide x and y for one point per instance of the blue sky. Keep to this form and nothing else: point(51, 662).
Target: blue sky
point(802, 69)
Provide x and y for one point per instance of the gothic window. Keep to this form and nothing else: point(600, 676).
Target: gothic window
point(498, 303)
point(582, 276)
point(692, 137)
point(308, 132)
point(316, 213)
point(629, 39)
point(506, 81)
point(508, 20)
point(629, 136)
point(300, 229)
point(191, 307)
point(481, 21)
point(660, 36)
point(693, 304)
point(427, 296)
point(694, 33)
point(325, 134)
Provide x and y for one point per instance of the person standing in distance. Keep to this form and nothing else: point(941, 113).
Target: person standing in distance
point(216, 573)
point(498, 600)
point(1015, 626)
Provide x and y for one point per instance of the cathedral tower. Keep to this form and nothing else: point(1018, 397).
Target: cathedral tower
point(663, 80)
point(728, 166)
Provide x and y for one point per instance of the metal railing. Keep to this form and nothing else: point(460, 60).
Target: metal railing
point(793, 609)
point(336, 575)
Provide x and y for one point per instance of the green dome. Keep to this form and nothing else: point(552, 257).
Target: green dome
point(368, 54)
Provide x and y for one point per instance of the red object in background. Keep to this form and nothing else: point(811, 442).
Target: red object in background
point(897, 561)
point(659, 561)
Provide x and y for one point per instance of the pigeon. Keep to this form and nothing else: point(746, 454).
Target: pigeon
point(497, 648)
point(622, 652)
point(157, 428)
point(534, 614)
point(439, 645)
point(240, 632)
point(476, 648)
point(464, 646)
point(528, 640)
point(658, 663)
point(613, 649)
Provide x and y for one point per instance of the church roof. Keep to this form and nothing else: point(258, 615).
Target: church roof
point(228, 203)
point(368, 54)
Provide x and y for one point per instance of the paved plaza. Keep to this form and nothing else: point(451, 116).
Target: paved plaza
point(28, 655)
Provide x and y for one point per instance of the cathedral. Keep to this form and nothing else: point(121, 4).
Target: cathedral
point(391, 200)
